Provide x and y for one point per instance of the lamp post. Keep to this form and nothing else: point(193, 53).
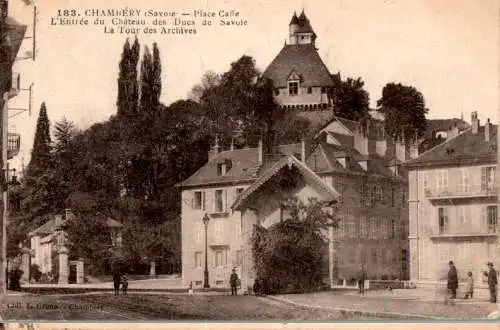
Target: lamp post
point(205, 220)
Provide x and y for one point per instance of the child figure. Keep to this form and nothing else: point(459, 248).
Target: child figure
point(469, 290)
point(124, 284)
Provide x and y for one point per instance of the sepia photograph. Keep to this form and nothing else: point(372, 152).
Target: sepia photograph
point(281, 161)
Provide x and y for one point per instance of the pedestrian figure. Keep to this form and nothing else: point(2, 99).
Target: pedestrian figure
point(116, 281)
point(361, 279)
point(452, 280)
point(492, 282)
point(233, 280)
point(469, 290)
point(124, 282)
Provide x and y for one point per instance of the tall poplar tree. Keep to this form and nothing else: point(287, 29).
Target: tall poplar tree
point(122, 103)
point(156, 79)
point(146, 97)
point(40, 154)
point(133, 81)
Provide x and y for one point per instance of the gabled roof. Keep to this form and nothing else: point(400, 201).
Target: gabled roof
point(245, 166)
point(50, 226)
point(303, 59)
point(466, 148)
point(282, 163)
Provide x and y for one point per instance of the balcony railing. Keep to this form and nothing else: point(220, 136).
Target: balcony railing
point(15, 85)
point(13, 144)
point(490, 190)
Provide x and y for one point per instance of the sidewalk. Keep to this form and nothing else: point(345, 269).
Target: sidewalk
point(392, 305)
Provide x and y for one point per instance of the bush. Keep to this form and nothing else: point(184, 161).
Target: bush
point(36, 274)
point(15, 279)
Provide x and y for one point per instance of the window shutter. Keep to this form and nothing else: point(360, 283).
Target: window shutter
point(193, 200)
point(484, 183)
point(203, 200)
point(225, 201)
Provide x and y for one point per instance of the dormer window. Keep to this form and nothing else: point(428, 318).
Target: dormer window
point(223, 167)
point(293, 88)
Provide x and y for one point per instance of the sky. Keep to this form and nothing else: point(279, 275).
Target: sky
point(447, 49)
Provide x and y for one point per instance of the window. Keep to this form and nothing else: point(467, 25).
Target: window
point(363, 227)
point(197, 259)
point(373, 195)
point(219, 200)
point(199, 200)
point(426, 180)
point(221, 169)
point(239, 257)
point(198, 234)
point(464, 180)
point(276, 91)
point(373, 227)
point(491, 212)
point(379, 193)
point(220, 258)
point(393, 229)
point(443, 220)
point(309, 90)
point(392, 197)
point(293, 88)
point(218, 228)
point(374, 256)
point(442, 180)
point(488, 178)
point(239, 190)
point(323, 90)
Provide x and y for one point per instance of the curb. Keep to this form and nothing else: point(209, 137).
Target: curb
point(391, 315)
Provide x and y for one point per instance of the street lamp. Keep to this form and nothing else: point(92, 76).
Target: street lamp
point(205, 220)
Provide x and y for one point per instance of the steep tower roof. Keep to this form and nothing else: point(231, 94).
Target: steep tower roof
point(295, 19)
point(304, 24)
point(301, 59)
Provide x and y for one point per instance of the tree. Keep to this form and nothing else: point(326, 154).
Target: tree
point(404, 110)
point(350, 99)
point(64, 132)
point(289, 255)
point(156, 77)
point(133, 81)
point(209, 80)
point(40, 154)
point(122, 102)
point(146, 100)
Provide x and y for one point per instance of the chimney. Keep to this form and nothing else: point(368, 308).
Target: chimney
point(261, 153)
point(487, 130)
point(215, 150)
point(474, 122)
point(305, 149)
point(68, 214)
point(58, 220)
point(452, 132)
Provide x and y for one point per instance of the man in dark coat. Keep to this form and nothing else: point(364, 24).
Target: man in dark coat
point(452, 280)
point(361, 279)
point(233, 280)
point(116, 281)
point(492, 282)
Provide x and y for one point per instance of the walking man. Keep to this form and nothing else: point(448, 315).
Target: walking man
point(233, 280)
point(116, 281)
point(452, 280)
point(492, 282)
point(361, 279)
